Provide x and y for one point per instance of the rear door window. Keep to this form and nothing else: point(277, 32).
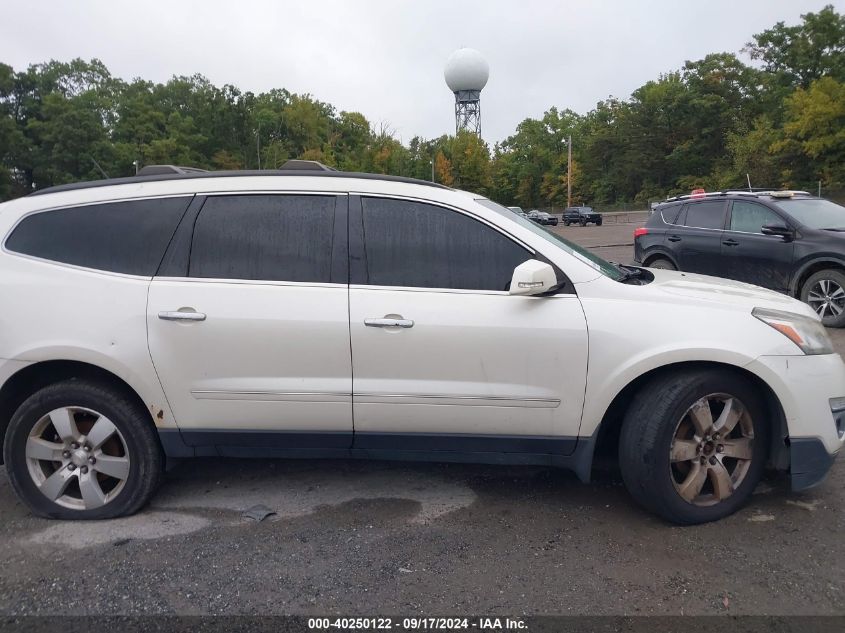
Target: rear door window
point(709, 214)
point(123, 237)
point(264, 237)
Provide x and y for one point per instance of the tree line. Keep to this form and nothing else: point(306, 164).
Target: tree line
point(777, 119)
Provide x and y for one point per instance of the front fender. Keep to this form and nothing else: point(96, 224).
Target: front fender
point(831, 260)
point(603, 390)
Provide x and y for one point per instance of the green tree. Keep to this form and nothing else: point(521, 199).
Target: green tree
point(798, 55)
point(815, 128)
point(471, 163)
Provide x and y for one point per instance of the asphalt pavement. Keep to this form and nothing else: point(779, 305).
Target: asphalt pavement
point(364, 537)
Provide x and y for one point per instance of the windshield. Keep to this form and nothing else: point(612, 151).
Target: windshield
point(814, 213)
point(594, 261)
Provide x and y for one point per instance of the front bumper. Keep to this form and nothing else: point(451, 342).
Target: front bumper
point(809, 462)
point(805, 385)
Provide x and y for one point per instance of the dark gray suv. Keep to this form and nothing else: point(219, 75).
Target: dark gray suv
point(789, 241)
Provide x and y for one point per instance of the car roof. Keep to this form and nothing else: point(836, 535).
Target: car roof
point(195, 175)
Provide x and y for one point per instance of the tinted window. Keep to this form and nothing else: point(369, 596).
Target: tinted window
point(750, 217)
point(670, 214)
point(273, 237)
point(706, 215)
point(424, 246)
point(123, 237)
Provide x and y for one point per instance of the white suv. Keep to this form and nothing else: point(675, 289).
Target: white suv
point(304, 314)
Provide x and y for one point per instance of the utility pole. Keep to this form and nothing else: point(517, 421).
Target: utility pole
point(569, 172)
point(258, 144)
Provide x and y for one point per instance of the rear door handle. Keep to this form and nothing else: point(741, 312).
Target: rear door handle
point(674, 238)
point(405, 323)
point(730, 242)
point(179, 315)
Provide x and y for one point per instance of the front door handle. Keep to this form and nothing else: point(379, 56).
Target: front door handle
point(405, 323)
point(179, 315)
point(730, 242)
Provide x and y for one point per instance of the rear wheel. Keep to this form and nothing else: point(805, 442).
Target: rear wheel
point(824, 291)
point(662, 263)
point(693, 445)
point(583, 223)
point(80, 450)
point(566, 223)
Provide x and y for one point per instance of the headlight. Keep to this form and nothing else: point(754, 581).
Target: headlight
point(808, 334)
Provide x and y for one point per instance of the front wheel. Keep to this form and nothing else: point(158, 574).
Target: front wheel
point(566, 223)
point(824, 291)
point(661, 263)
point(693, 445)
point(583, 223)
point(81, 450)
point(598, 223)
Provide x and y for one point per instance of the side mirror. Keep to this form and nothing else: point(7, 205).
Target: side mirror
point(776, 229)
point(532, 278)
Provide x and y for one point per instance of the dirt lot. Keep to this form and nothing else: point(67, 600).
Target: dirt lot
point(370, 538)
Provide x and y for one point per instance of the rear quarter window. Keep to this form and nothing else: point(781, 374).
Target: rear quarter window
point(670, 214)
point(127, 237)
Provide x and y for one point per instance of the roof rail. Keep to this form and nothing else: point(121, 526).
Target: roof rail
point(709, 194)
point(306, 165)
point(739, 192)
point(200, 174)
point(158, 170)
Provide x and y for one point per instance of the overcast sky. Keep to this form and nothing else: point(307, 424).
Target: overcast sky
point(385, 58)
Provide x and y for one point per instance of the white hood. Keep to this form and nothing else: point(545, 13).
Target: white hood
point(684, 287)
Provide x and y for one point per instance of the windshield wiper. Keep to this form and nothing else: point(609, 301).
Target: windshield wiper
point(628, 272)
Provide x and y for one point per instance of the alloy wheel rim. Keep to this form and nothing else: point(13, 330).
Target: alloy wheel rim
point(827, 298)
point(711, 450)
point(77, 458)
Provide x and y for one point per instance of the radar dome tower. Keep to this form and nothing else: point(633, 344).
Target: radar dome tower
point(466, 75)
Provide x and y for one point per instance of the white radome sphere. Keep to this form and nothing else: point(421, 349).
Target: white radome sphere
point(466, 69)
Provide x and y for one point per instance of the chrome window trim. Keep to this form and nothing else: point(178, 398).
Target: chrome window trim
point(457, 291)
point(251, 282)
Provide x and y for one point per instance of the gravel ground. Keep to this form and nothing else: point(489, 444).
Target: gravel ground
point(387, 538)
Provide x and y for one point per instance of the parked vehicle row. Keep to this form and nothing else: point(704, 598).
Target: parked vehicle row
point(337, 315)
point(572, 215)
point(788, 241)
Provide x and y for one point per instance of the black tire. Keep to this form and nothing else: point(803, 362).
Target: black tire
point(598, 223)
point(566, 223)
point(661, 263)
point(648, 436)
point(137, 439)
point(812, 293)
point(583, 223)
